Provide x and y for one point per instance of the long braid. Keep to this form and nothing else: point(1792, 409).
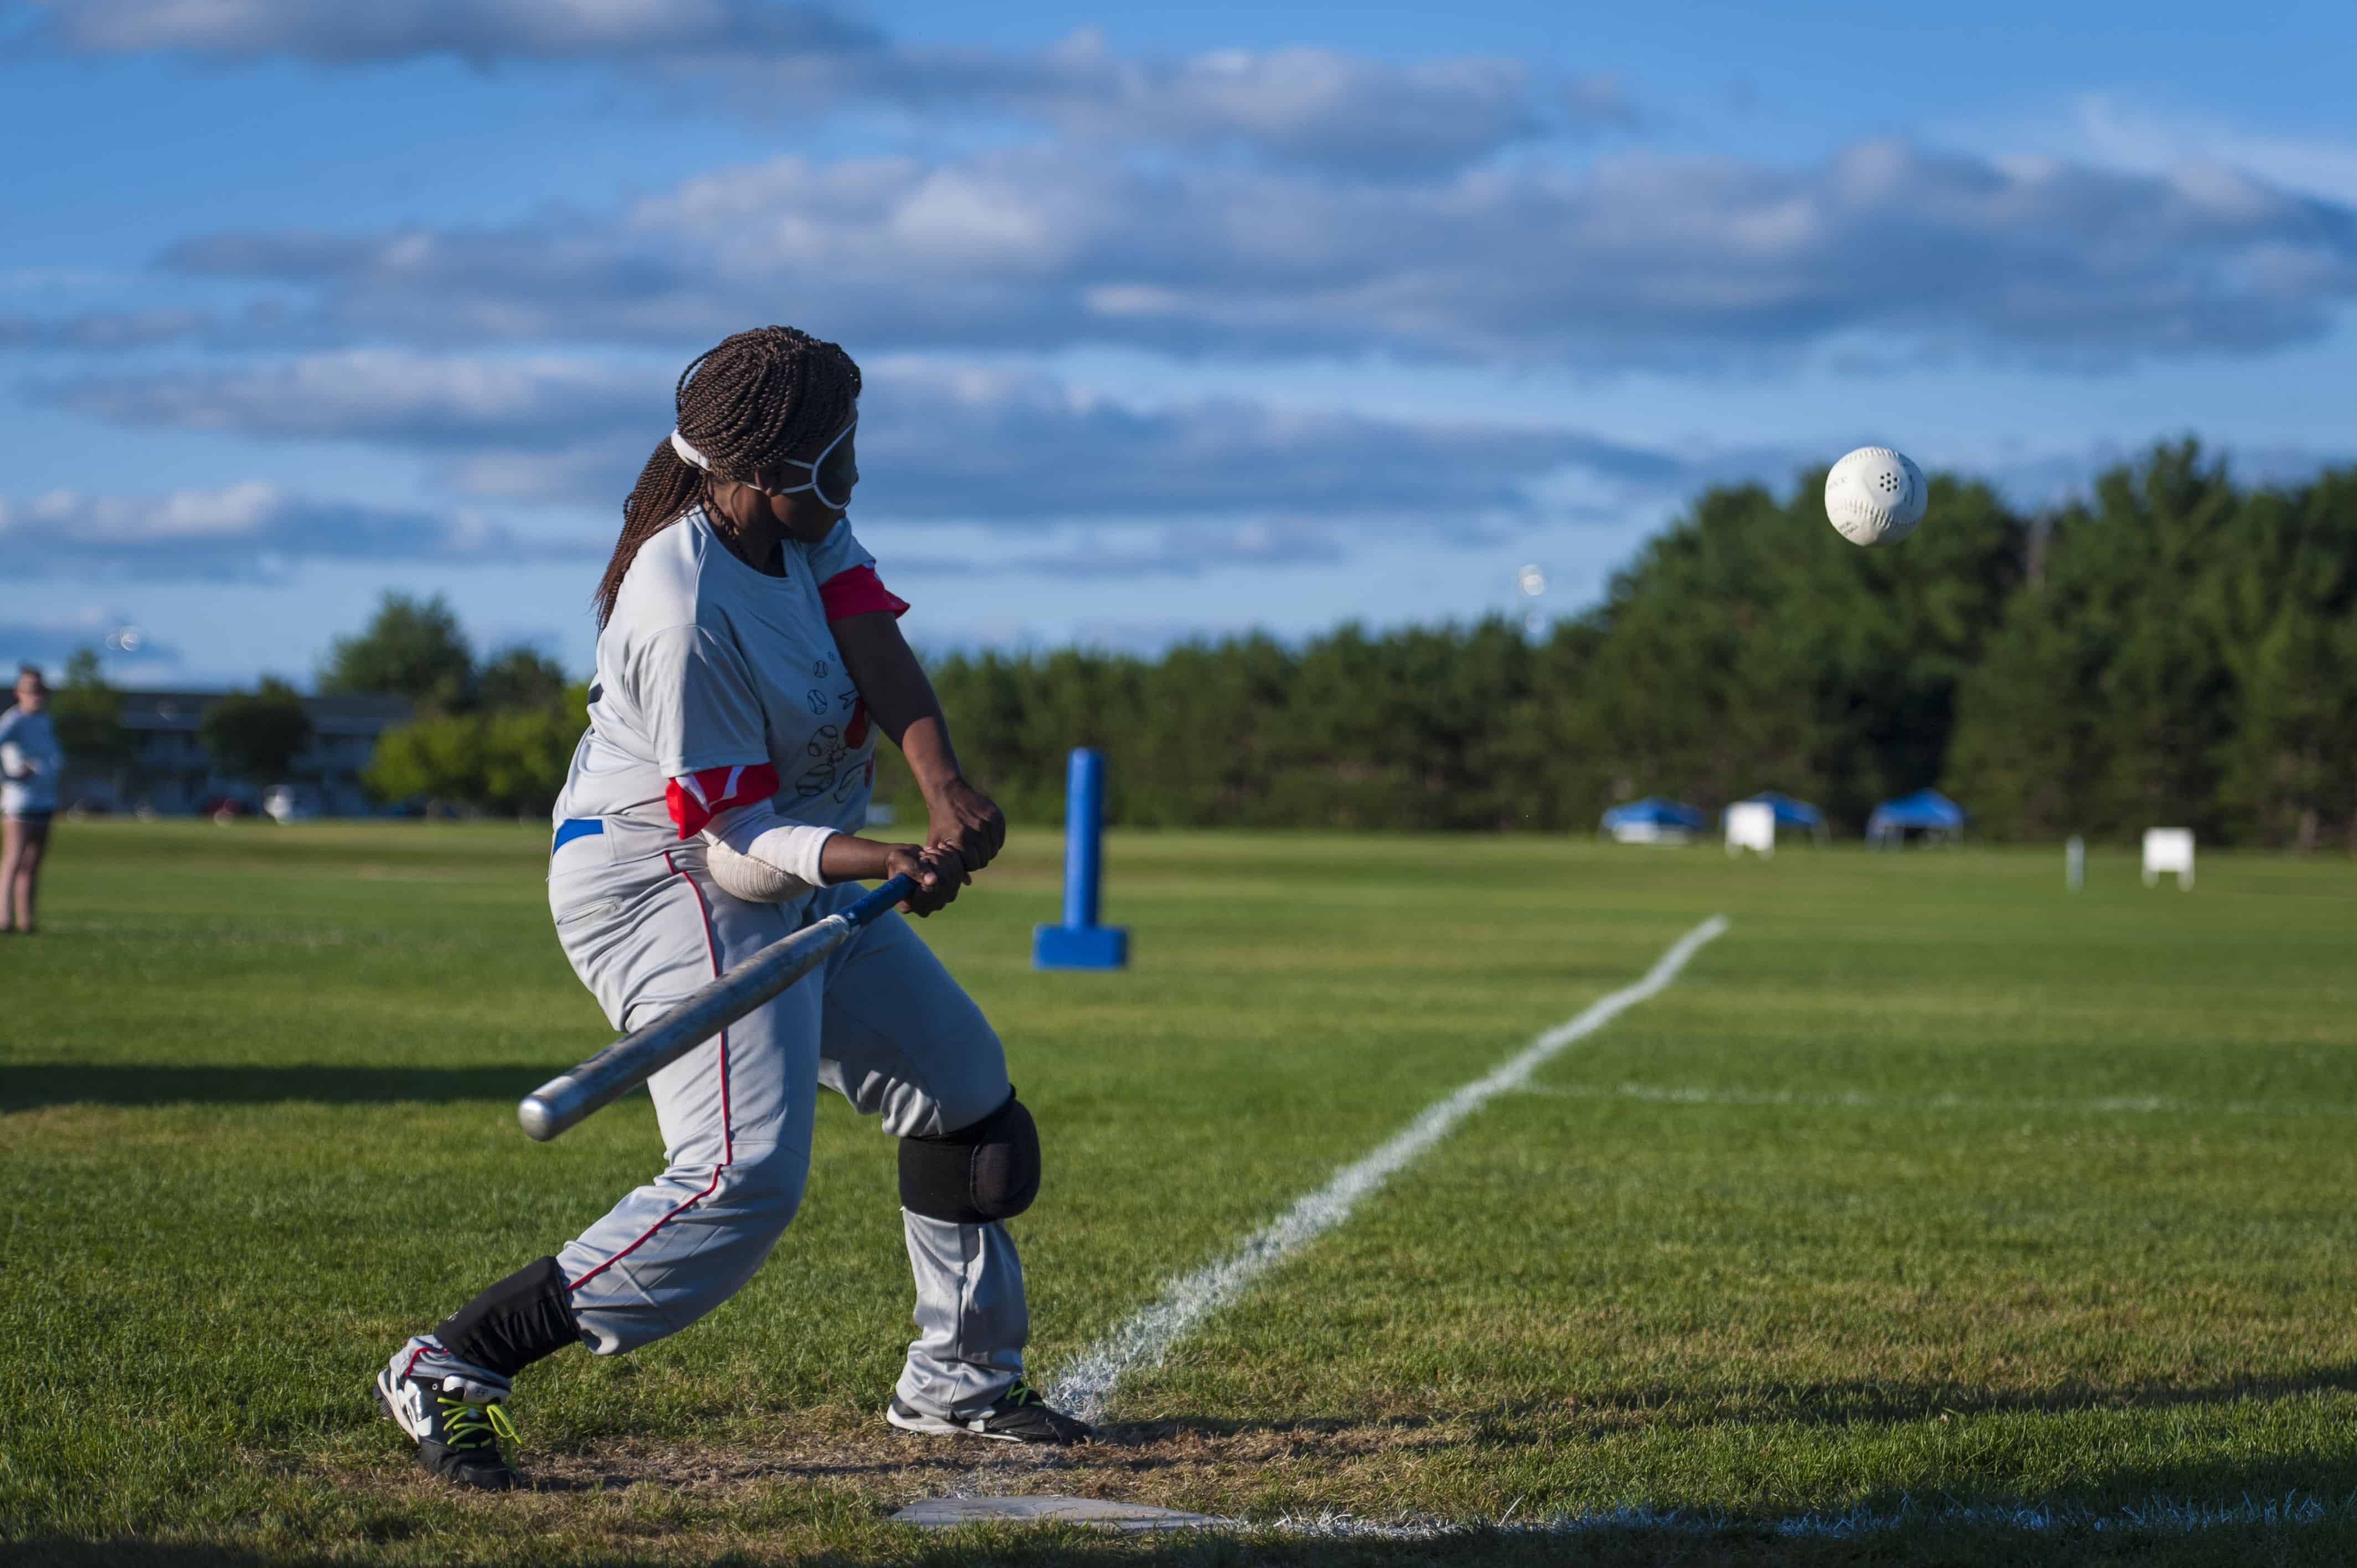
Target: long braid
point(745, 403)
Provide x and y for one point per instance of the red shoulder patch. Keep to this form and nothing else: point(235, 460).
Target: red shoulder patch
point(702, 795)
point(859, 592)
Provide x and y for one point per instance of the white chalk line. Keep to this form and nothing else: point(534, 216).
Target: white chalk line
point(1144, 1339)
point(2159, 1516)
point(2155, 1516)
point(2125, 1104)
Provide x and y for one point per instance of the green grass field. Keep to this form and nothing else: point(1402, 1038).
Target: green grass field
point(2002, 1224)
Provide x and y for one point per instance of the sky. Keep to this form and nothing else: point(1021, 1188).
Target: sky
point(1175, 321)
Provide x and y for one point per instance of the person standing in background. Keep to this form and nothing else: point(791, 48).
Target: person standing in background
point(30, 760)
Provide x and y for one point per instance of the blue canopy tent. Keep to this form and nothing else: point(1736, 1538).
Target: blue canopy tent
point(1791, 813)
point(1926, 812)
point(1653, 820)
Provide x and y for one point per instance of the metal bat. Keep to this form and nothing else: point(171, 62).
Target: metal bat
point(568, 1099)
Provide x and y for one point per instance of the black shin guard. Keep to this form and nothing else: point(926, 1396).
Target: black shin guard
point(525, 1316)
point(977, 1175)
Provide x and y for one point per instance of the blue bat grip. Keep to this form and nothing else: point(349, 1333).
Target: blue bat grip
point(883, 899)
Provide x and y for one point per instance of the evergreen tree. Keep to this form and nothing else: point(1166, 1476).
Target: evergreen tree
point(2289, 606)
point(2183, 661)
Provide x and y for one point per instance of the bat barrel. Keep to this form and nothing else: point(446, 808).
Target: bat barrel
point(564, 1100)
point(552, 1108)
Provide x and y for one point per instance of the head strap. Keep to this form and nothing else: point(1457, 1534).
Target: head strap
point(815, 464)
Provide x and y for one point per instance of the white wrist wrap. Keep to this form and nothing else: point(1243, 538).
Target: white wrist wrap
point(758, 856)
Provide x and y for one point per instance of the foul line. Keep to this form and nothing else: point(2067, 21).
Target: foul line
point(1147, 1337)
point(2159, 1516)
point(2154, 1517)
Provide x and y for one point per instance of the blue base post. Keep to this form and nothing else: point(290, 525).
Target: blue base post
point(1080, 947)
point(1080, 942)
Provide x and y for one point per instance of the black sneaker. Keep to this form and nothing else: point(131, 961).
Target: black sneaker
point(1019, 1416)
point(457, 1437)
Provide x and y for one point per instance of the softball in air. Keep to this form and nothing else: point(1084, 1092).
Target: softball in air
point(1875, 496)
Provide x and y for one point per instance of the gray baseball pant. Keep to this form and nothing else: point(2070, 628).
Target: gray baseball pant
point(881, 1024)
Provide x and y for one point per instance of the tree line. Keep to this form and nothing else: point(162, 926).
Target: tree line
point(2175, 648)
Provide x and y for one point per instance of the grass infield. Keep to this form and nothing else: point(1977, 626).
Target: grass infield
point(1933, 1215)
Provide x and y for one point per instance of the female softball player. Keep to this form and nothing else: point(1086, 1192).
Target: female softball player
point(747, 657)
point(30, 760)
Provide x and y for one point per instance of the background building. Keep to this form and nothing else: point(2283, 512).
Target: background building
point(169, 770)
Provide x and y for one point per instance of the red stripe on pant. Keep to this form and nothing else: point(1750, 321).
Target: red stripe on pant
point(727, 1137)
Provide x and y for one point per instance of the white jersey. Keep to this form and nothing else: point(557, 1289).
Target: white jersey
point(718, 685)
point(31, 761)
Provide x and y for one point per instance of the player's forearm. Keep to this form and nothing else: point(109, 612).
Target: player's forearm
point(846, 858)
point(931, 761)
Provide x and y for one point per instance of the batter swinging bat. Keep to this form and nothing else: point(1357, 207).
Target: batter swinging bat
point(567, 1099)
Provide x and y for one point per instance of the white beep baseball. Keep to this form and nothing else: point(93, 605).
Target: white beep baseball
point(1875, 496)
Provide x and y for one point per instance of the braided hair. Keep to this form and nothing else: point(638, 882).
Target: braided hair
point(745, 403)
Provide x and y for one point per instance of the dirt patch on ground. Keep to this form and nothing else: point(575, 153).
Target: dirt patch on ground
point(1205, 1465)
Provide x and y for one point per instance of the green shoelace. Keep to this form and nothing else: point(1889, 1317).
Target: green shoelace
point(470, 1426)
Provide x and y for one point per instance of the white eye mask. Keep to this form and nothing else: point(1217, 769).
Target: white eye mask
point(818, 482)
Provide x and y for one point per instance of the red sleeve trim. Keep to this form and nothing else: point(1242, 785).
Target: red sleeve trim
point(702, 795)
point(859, 592)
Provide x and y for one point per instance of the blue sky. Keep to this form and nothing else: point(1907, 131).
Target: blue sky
point(1176, 321)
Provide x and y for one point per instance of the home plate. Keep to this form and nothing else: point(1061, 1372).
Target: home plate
point(945, 1511)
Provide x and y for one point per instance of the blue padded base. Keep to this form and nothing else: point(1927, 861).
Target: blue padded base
point(1080, 947)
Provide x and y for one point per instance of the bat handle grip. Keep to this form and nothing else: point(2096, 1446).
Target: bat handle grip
point(883, 899)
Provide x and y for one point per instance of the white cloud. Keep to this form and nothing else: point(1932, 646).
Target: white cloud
point(251, 529)
point(1302, 105)
point(2127, 134)
point(937, 440)
point(1115, 552)
point(1679, 263)
point(1014, 445)
point(100, 329)
point(388, 395)
point(339, 33)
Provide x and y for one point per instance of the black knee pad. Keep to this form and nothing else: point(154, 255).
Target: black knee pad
point(977, 1175)
point(514, 1323)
